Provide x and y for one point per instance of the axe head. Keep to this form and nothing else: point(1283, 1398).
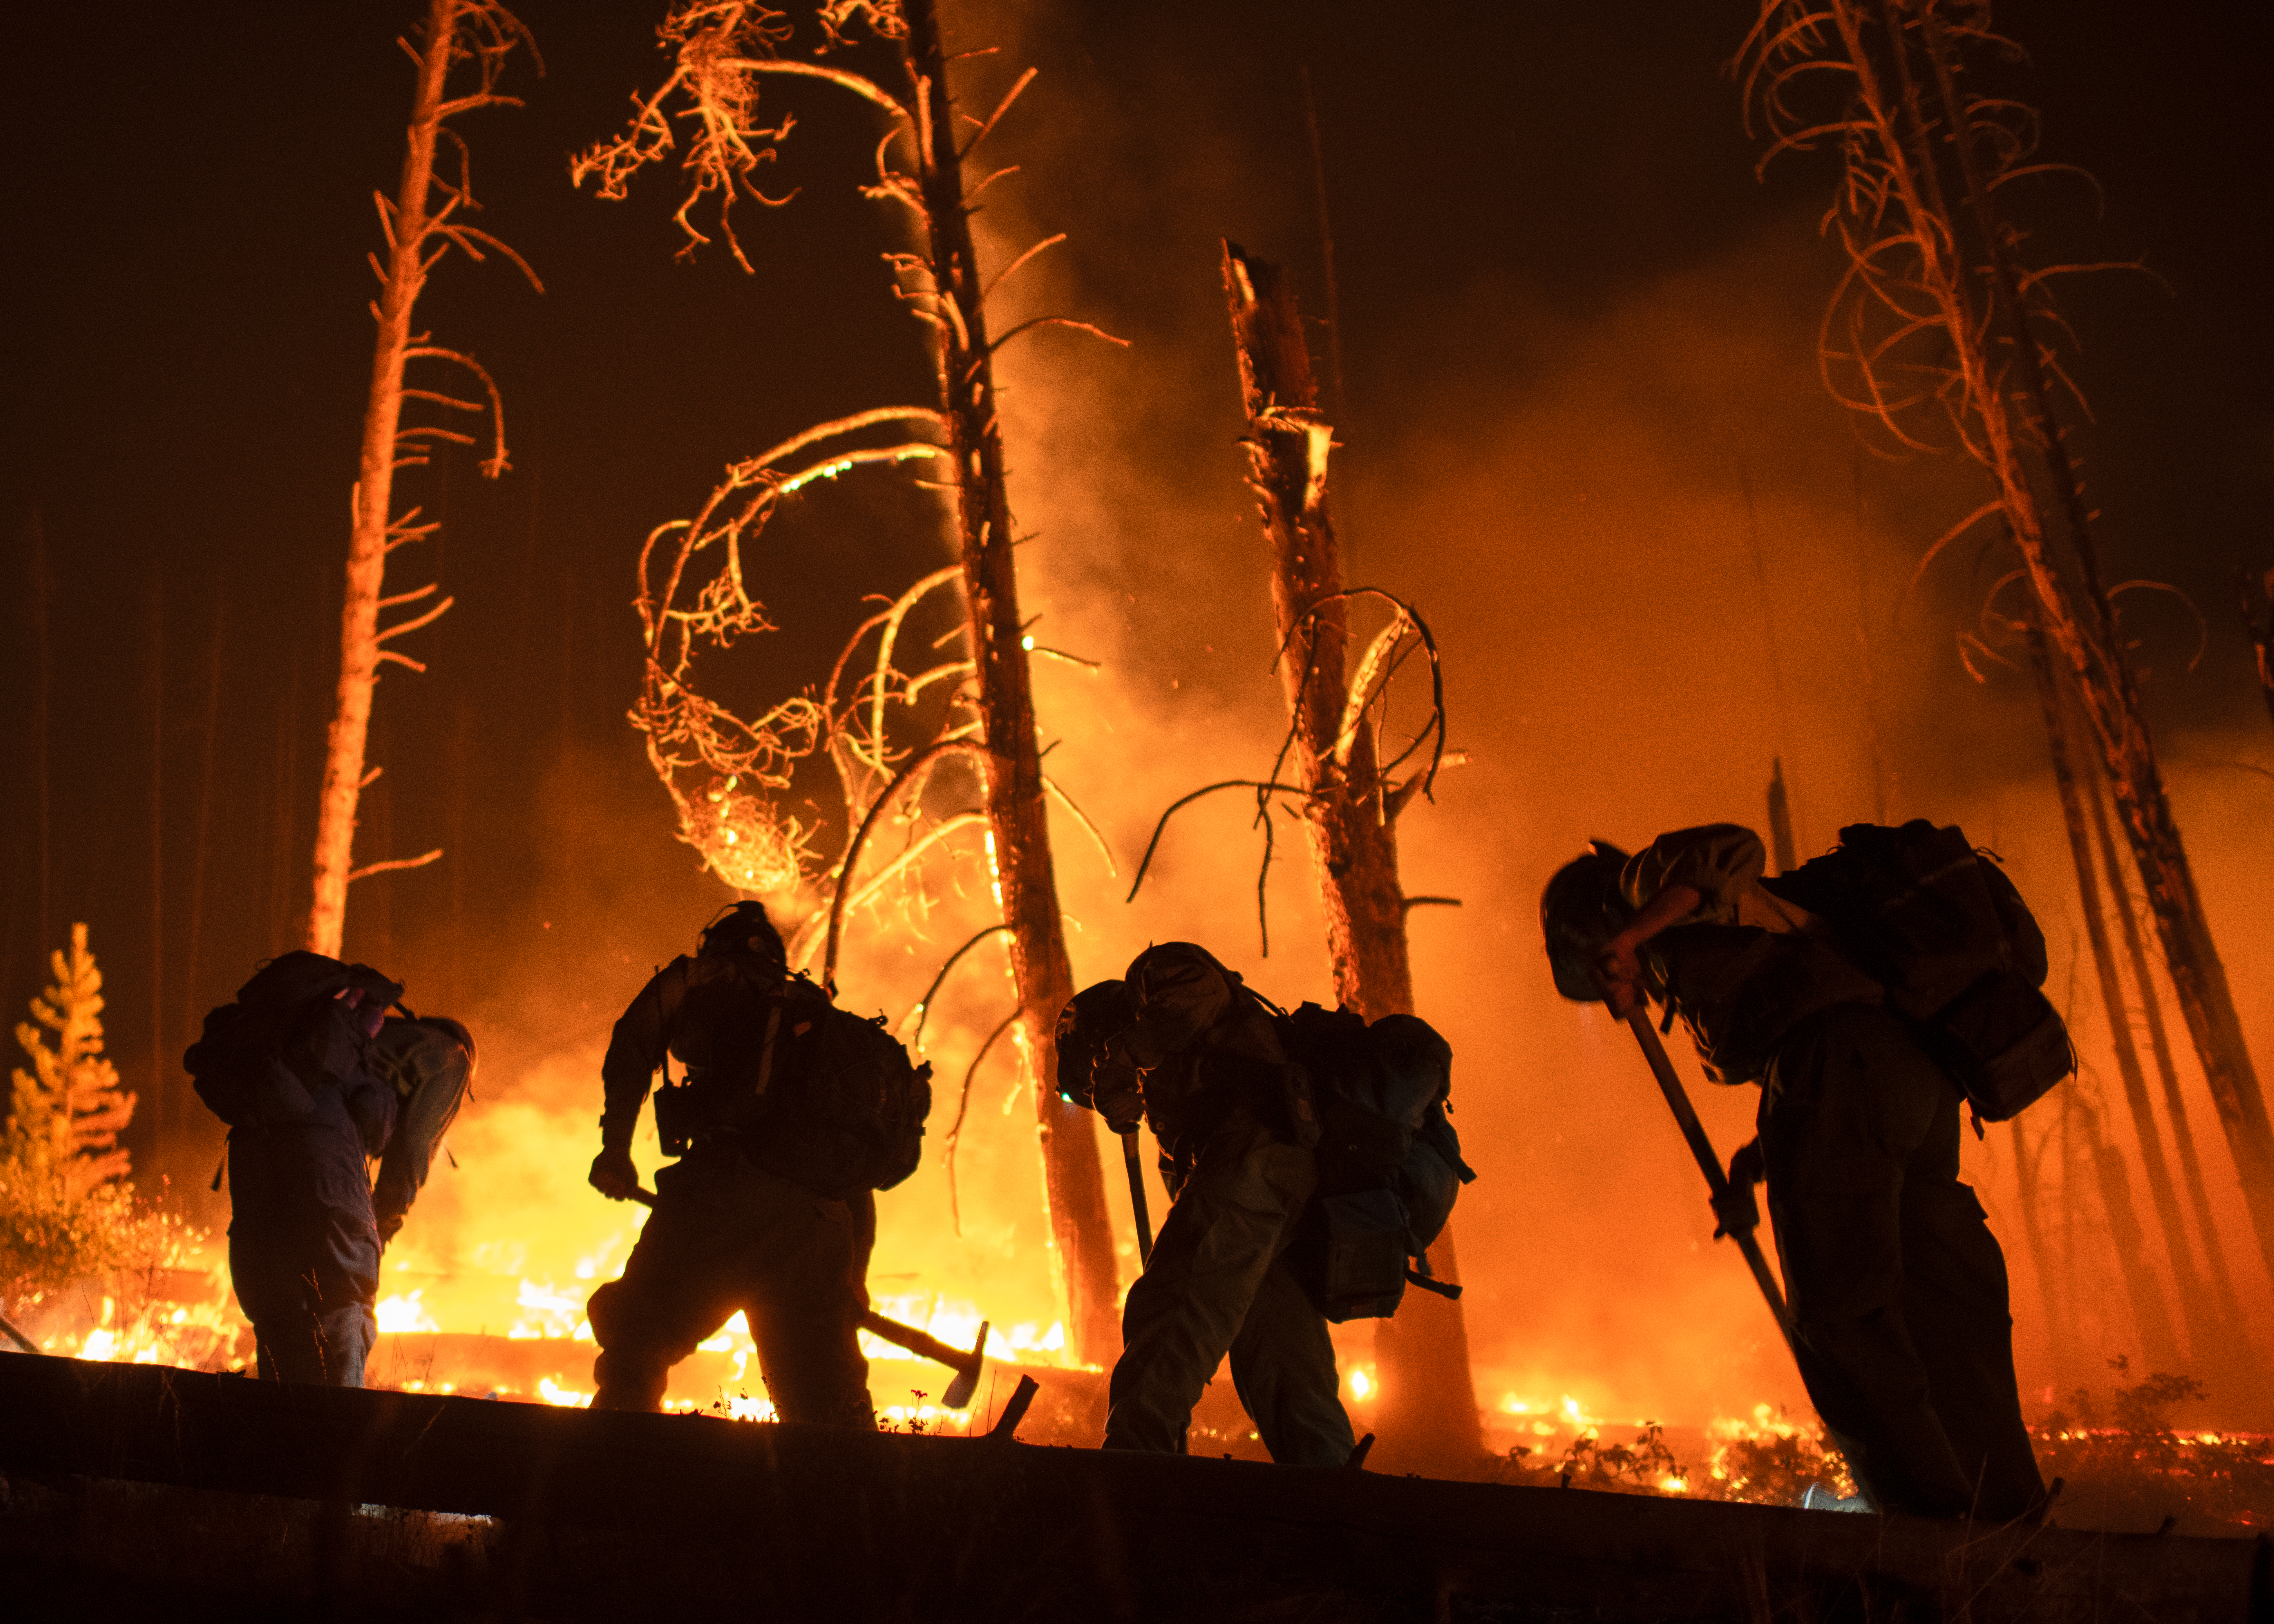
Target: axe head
point(966, 1373)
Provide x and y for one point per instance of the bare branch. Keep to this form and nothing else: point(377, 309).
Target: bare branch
point(1097, 835)
point(1263, 787)
point(923, 1009)
point(393, 863)
point(917, 765)
point(962, 1105)
point(1092, 328)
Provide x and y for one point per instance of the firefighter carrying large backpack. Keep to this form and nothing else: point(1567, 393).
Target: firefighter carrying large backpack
point(1389, 1162)
point(1939, 925)
point(811, 1092)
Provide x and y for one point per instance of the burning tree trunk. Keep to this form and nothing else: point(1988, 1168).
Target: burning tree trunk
point(1016, 809)
point(1935, 290)
point(421, 223)
point(2208, 1334)
point(725, 46)
point(1428, 1407)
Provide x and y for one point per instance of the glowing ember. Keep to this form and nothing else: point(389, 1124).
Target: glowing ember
point(749, 844)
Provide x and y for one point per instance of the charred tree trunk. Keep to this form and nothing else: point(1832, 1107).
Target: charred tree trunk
point(2258, 626)
point(345, 739)
point(161, 1073)
point(2089, 641)
point(419, 231)
point(2158, 1343)
point(2060, 1332)
point(1781, 841)
point(2175, 1105)
point(1428, 1407)
point(208, 744)
point(2207, 1332)
point(1016, 809)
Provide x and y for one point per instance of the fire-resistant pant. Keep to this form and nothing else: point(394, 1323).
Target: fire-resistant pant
point(724, 1236)
point(1218, 1283)
point(1897, 1288)
point(303, 1250)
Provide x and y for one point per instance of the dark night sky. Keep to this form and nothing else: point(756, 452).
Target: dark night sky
point(187, 351)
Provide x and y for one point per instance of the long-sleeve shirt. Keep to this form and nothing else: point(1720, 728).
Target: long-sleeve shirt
point(1745, 967)
point(698, 1009)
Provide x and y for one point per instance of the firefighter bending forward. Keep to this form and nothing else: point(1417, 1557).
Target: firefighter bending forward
point(1897, 1287)
point(726, 1234)
point(1180, 1042)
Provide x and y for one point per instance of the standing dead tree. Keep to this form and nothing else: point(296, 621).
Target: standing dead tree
point(1937, 320)
point(1343, 783)
point(421, 224)
point(2175, 1105)
point(724, 50)
point(2213, 1341)
point(2258, 626)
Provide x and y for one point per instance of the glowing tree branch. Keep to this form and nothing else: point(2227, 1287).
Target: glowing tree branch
point(1940, 326)
point(724, 49)
point(421, 224)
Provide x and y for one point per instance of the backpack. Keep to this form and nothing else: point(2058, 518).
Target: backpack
point(237, 1065)
point(1389, 1162)
point(815, 1093)
point(1943, 931)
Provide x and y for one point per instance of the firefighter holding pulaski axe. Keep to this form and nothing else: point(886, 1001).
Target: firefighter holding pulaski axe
point(1310, 1163)
point(790, 1115)
point(1869, 992)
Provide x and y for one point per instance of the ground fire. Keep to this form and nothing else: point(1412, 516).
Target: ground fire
point(902, 551)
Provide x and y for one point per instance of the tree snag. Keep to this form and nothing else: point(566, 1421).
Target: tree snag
point(2209, 1336)
point(1936, 320)
point(724, 48)
point(1349, 804)
point(421, 224)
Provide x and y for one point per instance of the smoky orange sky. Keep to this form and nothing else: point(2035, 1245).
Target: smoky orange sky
point(1576, 332)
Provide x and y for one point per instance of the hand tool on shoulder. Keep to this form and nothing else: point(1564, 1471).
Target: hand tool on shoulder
point(965, 1362)
point(1737, 1215)
point(1137, 1197)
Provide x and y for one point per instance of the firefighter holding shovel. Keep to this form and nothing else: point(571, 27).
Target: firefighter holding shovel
point(1898, 1305)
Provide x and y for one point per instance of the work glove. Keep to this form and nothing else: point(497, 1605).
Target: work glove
point(1123, 1109)
point(614, 1174)
point(390, 1225)
point(1736, 1210)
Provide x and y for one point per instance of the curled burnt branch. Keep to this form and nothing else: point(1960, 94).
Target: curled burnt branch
point(724, 49)
point(922, 1009)
point(963, 1106)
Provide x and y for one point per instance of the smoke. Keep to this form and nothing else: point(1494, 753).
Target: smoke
point(1561, 487)
point(1555, 474)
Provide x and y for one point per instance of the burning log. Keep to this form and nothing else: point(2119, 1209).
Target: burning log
point(1936, 316)
point(1350, 801)
point(420, 232)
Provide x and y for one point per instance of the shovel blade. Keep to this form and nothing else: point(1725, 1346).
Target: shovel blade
point(966, 1374)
